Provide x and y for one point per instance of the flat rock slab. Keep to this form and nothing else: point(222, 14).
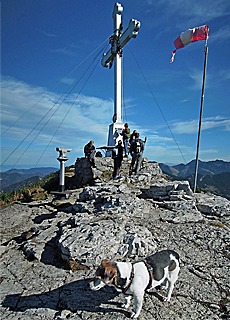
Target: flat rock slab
point(181, 216)
point(213, 205)
point(90, 243)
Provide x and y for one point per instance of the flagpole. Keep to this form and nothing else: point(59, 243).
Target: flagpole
point(201, 112)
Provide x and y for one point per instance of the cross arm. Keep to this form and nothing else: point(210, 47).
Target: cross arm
point(106, 58)
point(128, 34)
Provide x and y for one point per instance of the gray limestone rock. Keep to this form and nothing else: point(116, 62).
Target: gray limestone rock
point(171, 190)
point(91, 243)
point(213, 205)
point(181, 216)
point(124, 219)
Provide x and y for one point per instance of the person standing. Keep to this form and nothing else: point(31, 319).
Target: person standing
point(90, 151)
point(136, 150)
point(117, 155)
point(125, 134)
point(132, 136)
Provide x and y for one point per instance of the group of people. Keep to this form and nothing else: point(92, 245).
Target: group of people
point(134, 146)
point(130, 144)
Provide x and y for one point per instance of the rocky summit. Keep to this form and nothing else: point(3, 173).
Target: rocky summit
point(50, 249)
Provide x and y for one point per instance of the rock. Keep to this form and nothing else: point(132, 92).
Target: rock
point(85, 174)
point(173, 190)
point(213, 205)
point(91, 243)
point(125, 219)
point(182, 216)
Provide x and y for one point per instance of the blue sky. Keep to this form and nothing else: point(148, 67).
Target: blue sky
point(44, 41)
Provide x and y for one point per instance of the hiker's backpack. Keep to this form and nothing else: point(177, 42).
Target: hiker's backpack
point(126, 133)
point(136, 148)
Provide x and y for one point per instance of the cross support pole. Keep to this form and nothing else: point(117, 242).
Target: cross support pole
point(201, 113)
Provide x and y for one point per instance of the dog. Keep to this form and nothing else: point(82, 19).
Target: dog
point(138, 277)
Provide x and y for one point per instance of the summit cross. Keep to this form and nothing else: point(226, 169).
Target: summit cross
point(115, 55)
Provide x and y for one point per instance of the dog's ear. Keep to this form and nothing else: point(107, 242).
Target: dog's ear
point(106, 270)
point(104, 262)
point(101, 269)
point(110, 271)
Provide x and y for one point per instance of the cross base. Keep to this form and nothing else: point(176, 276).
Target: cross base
point(115, 130)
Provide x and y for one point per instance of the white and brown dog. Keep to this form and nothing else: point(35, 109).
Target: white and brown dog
point(138, 277)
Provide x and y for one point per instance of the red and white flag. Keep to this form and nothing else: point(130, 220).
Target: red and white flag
point(191, 35)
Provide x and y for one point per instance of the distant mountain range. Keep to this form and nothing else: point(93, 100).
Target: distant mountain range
point(22, 184)
point(42, 171)
point(213, 176)
point(15, 179)
point(204, 168)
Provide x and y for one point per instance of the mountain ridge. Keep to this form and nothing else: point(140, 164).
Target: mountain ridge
point(35, 171)
point(205, 168)
point(213, 176)
point(14, 179)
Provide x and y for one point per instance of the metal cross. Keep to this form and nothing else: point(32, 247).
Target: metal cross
point(118, 40)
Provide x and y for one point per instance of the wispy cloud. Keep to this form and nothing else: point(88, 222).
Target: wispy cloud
point(209, 151)
point(191, 127)
point(197, 76)
point(156, 139)
point(191, 13)
point(220, 35)
point(84, 118)
point(86, 114)
point(72, 49)
point(49, 35)
point(224, 74)
point(65, 51)
point(87, 118)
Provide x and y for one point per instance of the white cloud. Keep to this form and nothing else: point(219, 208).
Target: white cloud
point(189, 14)
point(191, 127)
point(19, 98)
point(72, 49)
point(210, 151)
point(197, 76)
point(88, 118)
point(225, 74)
point(155, 138)
point(65, 51)
point(85, 119)
point(220, 35)
point(47, 34)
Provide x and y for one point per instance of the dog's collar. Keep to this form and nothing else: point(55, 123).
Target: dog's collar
point(130, 281)
point(120, 282)
point(150, 269)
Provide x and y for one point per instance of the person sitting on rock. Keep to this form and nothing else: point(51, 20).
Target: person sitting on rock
point(90, 151)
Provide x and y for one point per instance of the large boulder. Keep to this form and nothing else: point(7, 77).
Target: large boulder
point(85, 174)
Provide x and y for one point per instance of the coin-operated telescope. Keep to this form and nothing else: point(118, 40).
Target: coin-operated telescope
point(62, 158)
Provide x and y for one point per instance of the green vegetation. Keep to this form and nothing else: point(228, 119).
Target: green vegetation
point(35, 191)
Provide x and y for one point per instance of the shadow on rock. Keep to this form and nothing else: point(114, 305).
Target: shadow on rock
point(42, 217)
point(51, 254)
point(74, 296)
